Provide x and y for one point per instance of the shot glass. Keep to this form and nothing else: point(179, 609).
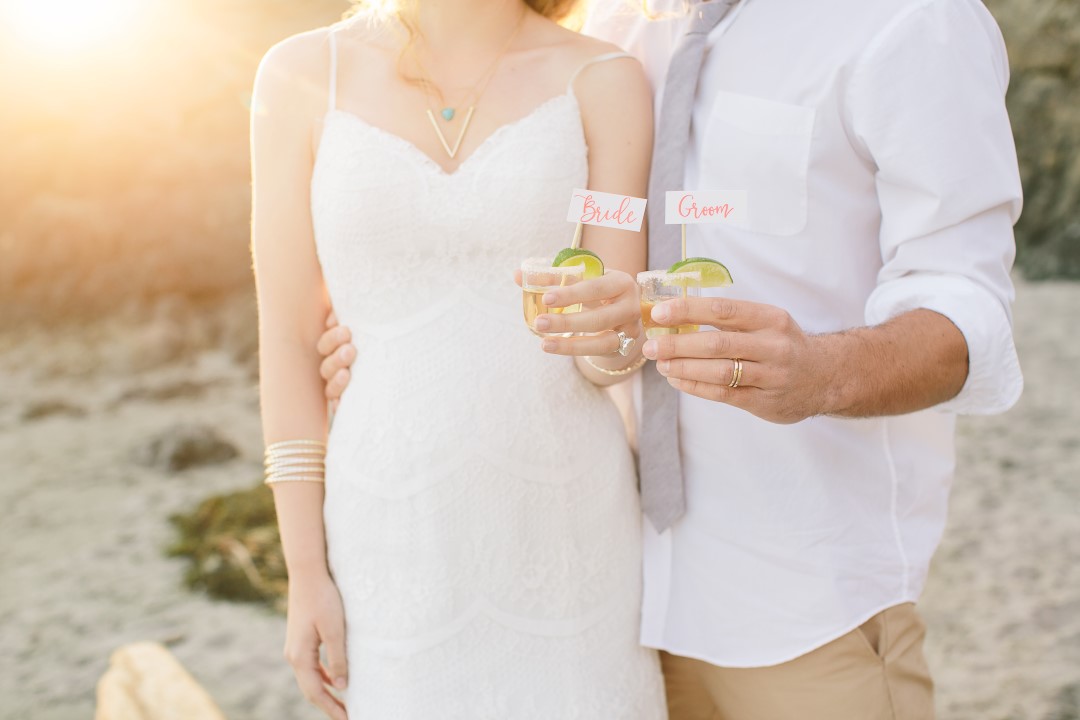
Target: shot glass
point(537, 278)
point(659, 285)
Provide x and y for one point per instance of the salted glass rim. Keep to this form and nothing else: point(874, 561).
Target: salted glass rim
point(541, 264)
point(666, 277)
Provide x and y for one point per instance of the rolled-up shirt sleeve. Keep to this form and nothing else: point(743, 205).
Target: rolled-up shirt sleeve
point(926, 104)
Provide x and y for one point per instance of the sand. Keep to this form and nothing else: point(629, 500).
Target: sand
point(82, 568)
point(1003, 600)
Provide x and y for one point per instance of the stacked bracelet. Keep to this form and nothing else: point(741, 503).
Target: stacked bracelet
point(615, 373)
point(296, 461)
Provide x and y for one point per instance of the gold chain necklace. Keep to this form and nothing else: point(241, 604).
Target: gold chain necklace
point(479, 87)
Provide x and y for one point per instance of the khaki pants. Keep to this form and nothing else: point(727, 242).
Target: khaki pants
point(875, 672)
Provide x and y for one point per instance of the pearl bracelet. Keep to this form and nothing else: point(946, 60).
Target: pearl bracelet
point(295, 461)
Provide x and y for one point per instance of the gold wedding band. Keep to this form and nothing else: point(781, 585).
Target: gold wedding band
point(736, 374)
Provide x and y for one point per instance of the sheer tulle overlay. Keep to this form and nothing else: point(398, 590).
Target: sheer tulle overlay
point(481, 513)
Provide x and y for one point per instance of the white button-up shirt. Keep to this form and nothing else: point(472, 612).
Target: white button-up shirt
point(873, 145)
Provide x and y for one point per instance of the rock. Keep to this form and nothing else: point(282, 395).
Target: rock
point(1043, 39)
point(184, 446)
point(239, 330)
point(145, 682)
point(156, 343)
point(49, 408)
point(179, 390)
point(175, 328)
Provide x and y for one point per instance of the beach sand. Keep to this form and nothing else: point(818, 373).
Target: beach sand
point(1003, 601)
point(83, 570)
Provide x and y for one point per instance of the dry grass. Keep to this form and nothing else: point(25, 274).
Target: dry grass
point(125, 171)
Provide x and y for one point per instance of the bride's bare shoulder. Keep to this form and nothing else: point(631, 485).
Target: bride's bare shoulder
point(570, 53)
point(301, 63)
point(611, 94)
point(571, 46)
point(296, 67)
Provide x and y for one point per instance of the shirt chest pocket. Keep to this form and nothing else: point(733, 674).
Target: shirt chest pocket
point(763, 148)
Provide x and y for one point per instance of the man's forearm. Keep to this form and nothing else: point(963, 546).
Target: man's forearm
point(914, 361)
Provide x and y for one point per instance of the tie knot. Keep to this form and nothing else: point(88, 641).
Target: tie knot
point(704, 16)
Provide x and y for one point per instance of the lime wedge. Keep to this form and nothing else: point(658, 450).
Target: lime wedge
point(594, 266)
point(713, 274)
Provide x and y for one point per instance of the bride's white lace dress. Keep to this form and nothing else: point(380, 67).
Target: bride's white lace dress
point(481, 514)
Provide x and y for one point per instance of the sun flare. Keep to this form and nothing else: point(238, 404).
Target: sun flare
point(67, 25)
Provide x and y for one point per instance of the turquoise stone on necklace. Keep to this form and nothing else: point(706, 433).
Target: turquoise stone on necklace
point(448, 114)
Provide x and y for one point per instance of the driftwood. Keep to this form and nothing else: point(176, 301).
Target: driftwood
point(145, 682)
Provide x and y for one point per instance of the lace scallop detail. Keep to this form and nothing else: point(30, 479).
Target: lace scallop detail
point(481, 511)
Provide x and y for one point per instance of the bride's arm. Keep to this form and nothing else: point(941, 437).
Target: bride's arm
point(292, 310)
point(617, 113)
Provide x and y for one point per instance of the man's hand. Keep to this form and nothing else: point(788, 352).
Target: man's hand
point(338, 354)
point(914, 361)
point(782, 372)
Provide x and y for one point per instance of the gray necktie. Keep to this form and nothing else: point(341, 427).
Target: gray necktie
point(662, 494)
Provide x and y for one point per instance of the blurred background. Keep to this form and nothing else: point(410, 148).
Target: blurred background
point(130, 452)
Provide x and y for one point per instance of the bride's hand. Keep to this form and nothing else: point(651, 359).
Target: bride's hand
point(609, 303)
point(316, 617)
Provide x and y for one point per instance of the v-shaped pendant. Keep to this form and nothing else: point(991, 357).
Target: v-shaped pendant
point(460, 137)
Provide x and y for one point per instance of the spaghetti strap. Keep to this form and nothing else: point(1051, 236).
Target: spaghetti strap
point(332, 90)
point(592, 61)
